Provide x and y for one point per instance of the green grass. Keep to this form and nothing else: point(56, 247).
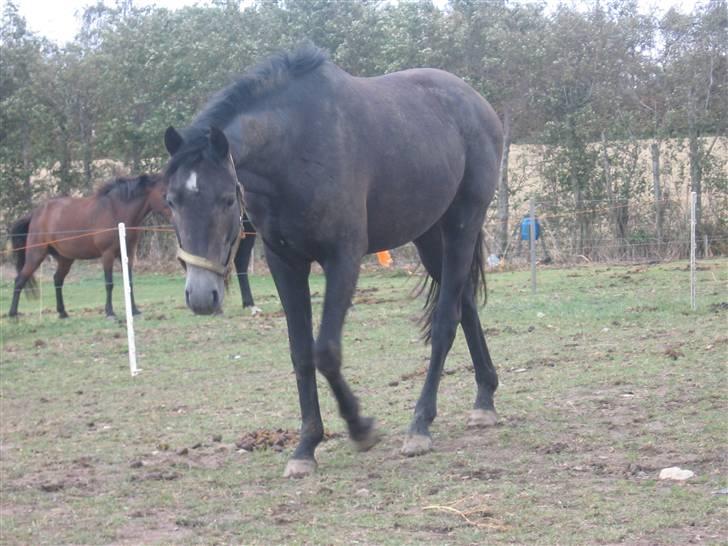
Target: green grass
point(607, 376)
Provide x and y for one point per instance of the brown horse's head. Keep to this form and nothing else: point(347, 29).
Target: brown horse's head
point(206, 203)
point(156, 190)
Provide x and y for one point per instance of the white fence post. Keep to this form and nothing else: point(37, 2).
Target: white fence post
point(693, 287)
point(127, 301)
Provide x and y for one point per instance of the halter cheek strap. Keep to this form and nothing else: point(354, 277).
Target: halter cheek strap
point(204, 263)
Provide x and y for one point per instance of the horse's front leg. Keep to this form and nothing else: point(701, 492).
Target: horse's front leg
point(291, 279)
point(341, 276)
point(107, 259)
point(134, 309)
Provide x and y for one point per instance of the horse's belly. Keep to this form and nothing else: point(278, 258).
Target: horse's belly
point(400, 211)
point(76, 250)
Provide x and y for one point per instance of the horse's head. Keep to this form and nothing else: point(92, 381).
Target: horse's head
point(206, 203)
point(155, 191)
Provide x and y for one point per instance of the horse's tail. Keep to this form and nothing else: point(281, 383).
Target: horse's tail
point(432, 286)
point(18, 239)
point(477, 270)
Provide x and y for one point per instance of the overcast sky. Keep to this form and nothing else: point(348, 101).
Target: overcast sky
point(59, 20)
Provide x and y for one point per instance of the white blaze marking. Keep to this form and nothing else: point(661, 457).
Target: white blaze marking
point(191, 183)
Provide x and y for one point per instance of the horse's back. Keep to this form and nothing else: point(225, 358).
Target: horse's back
point(63, 214)
point(62, 222)
point(418, 132)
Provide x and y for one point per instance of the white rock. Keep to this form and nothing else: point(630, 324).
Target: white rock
point(676, 473)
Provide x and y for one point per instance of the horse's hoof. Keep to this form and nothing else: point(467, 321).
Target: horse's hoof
point(480, 418)
point(416, 444)
point(62, 315)
point(112, 316)
point(255, 310)
point(371, 439)
point(299, 468)
point(136, 312)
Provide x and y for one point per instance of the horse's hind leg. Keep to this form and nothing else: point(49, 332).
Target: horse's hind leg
point(62, 269)
point(33, 258)
point(486, 378)
point(429, 247)
point(459, 234)
point(108, 263)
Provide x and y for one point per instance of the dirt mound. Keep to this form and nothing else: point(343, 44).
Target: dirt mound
point(276, 440)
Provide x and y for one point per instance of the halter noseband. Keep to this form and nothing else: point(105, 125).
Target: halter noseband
point(203, 263)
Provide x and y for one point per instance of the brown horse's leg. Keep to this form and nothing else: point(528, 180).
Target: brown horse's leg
point(33, 258)
point(64, 266)
point(134, 309)
point(107, 260)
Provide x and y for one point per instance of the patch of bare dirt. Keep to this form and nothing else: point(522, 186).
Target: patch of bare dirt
point(673, 352)
point(80, 475)
point(156, 528)
point(641, 309)
point(419, 372)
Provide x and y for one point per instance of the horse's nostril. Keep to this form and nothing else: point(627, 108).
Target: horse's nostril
point(214, 298)
point(187, 297)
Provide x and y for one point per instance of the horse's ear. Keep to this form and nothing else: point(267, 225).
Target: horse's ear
point(218, 143)
point(172, 140)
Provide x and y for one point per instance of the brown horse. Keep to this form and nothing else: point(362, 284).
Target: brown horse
point(83, 228)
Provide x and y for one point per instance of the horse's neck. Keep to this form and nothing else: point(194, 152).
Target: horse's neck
point(251, 135)
point(132, 213)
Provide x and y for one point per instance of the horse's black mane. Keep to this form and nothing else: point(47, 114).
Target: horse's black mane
point(259, 81)
point(127, 188)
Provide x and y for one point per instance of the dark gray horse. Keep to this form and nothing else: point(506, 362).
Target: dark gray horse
point(334, 167)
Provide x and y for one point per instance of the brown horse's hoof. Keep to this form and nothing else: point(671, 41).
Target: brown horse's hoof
point(480, 418)
point(370, 440)
point(299, 468)
point(416, 444)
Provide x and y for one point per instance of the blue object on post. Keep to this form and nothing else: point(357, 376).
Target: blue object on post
point(526, 229)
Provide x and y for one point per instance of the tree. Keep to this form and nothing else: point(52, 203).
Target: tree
point(696, 68)
point(25, 122)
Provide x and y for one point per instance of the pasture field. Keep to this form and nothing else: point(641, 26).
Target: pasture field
point(607, 376)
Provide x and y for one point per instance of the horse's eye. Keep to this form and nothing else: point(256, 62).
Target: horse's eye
point(169, 202)
point(229, 202)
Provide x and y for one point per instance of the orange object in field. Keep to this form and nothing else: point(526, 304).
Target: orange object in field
point(385, 258)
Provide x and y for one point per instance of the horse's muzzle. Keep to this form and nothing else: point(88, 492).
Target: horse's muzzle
point(204, 291)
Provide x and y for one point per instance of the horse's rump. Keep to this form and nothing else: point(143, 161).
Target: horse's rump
point(18, 240)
